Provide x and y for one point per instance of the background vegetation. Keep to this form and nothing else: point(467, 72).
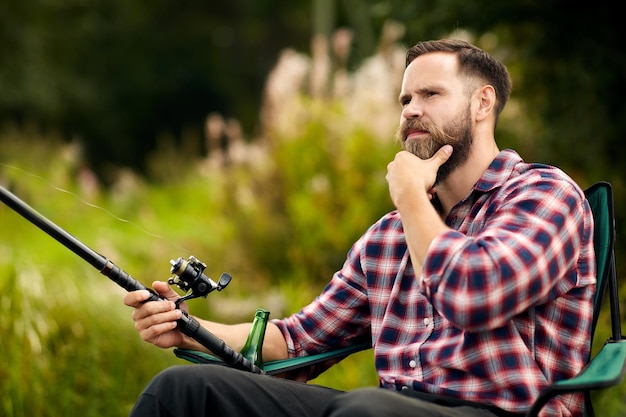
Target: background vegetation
point(253, 135)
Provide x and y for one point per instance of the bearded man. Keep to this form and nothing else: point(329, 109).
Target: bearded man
point(475, 293)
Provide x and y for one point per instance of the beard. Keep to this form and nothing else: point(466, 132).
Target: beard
point(457, 133)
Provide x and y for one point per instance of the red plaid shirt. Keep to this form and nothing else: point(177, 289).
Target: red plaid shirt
point(503, 306)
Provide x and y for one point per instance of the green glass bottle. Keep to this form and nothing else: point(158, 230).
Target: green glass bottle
point(254, 344)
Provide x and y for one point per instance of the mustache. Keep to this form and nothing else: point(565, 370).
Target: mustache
point(415, 124)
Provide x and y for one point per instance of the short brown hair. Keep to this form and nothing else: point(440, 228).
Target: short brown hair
point(473, 62)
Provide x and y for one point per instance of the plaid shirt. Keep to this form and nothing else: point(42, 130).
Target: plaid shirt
point(502, 307)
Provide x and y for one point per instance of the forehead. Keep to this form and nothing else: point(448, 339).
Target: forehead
point(431, 69)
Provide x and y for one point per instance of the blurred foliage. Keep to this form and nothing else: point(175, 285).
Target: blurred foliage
point(118, 74)
point(294, 175)
point(322, 200)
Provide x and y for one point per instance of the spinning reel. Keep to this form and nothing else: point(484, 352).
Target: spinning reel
point(190, 277)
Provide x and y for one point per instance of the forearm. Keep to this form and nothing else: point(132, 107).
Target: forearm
point(235, 335)
point(421, 224)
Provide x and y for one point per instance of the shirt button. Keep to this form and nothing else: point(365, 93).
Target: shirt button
point(426, 321)
point(412, 363)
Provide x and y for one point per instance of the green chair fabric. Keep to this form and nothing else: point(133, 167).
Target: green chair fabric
point(605, 369)
point(280, 366)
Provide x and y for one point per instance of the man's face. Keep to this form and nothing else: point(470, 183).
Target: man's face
point(435, 110)
point(457, 132)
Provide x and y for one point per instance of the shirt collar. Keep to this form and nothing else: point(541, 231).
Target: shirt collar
point(499, 170)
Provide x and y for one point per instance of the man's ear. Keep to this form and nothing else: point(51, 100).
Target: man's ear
point(486, 99)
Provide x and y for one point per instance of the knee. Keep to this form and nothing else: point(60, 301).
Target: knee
point(183, 380)
point(168, 379)
point(366, 402)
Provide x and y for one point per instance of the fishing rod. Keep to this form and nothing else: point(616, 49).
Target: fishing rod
point(189, 276)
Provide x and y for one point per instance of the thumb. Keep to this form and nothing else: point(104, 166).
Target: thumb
point(165, 290)
point(442, 155)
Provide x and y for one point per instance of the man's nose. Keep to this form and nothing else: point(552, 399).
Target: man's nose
point(412, 110)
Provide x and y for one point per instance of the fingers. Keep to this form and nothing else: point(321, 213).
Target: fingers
point(136, 298)
point(155, 318)
point(159, 329)
point(165, 291)
point(156, 321)
point(149, 314)
point(157, 311)
point(408, 173)
point(158, 334)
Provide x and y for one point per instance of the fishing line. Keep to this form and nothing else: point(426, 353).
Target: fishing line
point(95, 206)
point(189, 277)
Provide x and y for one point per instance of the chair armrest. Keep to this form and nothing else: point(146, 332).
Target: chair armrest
point(605, 370)
point(286, 365)
point(195, 356)
point(278, 366)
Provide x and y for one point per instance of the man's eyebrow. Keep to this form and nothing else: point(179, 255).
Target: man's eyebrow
point(421, 91)
point(403, 96)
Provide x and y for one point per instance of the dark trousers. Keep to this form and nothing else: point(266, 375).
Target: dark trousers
point(214, 390)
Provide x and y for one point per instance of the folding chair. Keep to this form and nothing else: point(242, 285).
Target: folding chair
point(605, 369)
